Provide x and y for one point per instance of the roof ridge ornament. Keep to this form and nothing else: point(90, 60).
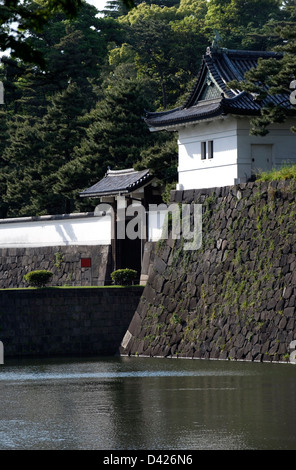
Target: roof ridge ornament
point(215, 44)
point(209, 51)
point(216, 39)
point(121, 172)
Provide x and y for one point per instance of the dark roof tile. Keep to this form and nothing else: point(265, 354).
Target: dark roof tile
point(118, 181)
point(224, 66)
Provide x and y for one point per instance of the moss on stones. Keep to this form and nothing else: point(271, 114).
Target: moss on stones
point(234, 298)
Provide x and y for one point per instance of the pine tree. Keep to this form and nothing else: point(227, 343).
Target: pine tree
point(17, 17)
point(273, 76)
point(234, 19)
point(63, 129)
point(3, 164)
point(45, 113)
point(24, 168)
point(117, 132)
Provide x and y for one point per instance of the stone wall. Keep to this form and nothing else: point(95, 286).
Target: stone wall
point(63, 261)
point(65, 321)
point(235, 297)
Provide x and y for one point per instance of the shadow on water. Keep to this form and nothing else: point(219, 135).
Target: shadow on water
point(144, 403)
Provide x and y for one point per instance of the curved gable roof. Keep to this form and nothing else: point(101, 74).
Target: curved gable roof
point(218, 68)
point(118, 182)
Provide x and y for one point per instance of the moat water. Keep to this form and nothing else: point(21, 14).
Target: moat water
point(146, 403)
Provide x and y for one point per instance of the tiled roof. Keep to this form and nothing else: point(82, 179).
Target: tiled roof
point(118, 182)
point(222, 66)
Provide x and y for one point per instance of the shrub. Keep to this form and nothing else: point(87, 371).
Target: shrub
point(38, 278)
point(123, 277)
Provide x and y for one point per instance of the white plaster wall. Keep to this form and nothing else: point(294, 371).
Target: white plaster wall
point(232, 160)
point(56, 232)
point(279, 136)
point(195, 173)
point(209, 178)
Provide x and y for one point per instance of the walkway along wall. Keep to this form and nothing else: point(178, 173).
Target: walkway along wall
point(71, 321)
point(235, 297)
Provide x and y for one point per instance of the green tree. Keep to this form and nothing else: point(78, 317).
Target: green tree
point(63, 128)
point(234, 19)
point(45, 112)
point(163, 44)
point(24, 168)
point(38, 152)
point(3, 163)
point(273, 76)
point(161, 158)
point(116, 133)
point(117, 8)
point(18, 17)
point(72, 51)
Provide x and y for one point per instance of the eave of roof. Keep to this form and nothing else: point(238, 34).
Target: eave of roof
point(224, 66)
point(181, 116)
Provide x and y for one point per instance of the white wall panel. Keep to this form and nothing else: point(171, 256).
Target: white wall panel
point(55, 232)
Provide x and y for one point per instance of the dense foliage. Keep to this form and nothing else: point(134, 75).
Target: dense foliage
point(78, 81)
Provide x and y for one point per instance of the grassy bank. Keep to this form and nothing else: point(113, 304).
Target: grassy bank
point(71, 287)
point(284, 173)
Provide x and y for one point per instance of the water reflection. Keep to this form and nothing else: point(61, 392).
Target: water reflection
point(137, 403)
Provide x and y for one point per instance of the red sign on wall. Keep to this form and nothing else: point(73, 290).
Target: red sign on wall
point(85, 262)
